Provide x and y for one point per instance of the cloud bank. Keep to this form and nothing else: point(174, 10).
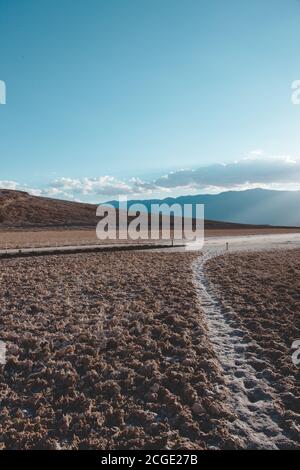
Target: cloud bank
point(254, 171)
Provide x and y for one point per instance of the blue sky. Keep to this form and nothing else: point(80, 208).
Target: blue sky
point(109, 97)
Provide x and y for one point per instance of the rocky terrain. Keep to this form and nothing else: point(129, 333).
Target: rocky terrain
point(260, 295)
point(108, 351)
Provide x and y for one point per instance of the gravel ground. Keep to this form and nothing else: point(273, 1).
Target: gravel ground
point(28, 238)
point(108, 351)
point(261, 294)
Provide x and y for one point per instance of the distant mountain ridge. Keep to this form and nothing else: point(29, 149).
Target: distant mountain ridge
point(19, 209)
point(225, 210)
point(253, 206)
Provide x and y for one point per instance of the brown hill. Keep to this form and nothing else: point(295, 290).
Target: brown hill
point(20, 209)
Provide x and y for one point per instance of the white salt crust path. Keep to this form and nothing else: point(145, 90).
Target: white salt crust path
point(250, 396)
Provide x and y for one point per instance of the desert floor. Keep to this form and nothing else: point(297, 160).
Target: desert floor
point(113, 351)
point(260, 296)
point(35, 238)
point(108, 351)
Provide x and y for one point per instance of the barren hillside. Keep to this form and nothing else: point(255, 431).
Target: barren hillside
point(20, 209)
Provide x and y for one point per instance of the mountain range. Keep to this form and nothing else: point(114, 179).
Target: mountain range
point(253, 206)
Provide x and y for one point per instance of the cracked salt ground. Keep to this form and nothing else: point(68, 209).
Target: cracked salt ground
point(250, 395)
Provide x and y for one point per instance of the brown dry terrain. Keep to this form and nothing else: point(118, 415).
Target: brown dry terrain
point(107, 351)
point(263, 289)
point(240, 231)
point(19, 209)
point(38, 237)
point(27, 220)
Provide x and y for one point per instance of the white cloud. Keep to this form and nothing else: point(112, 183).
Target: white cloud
point(103, 185)
point(4, 184)
point(269, 172)
point(255, 170)
point(257, 153)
